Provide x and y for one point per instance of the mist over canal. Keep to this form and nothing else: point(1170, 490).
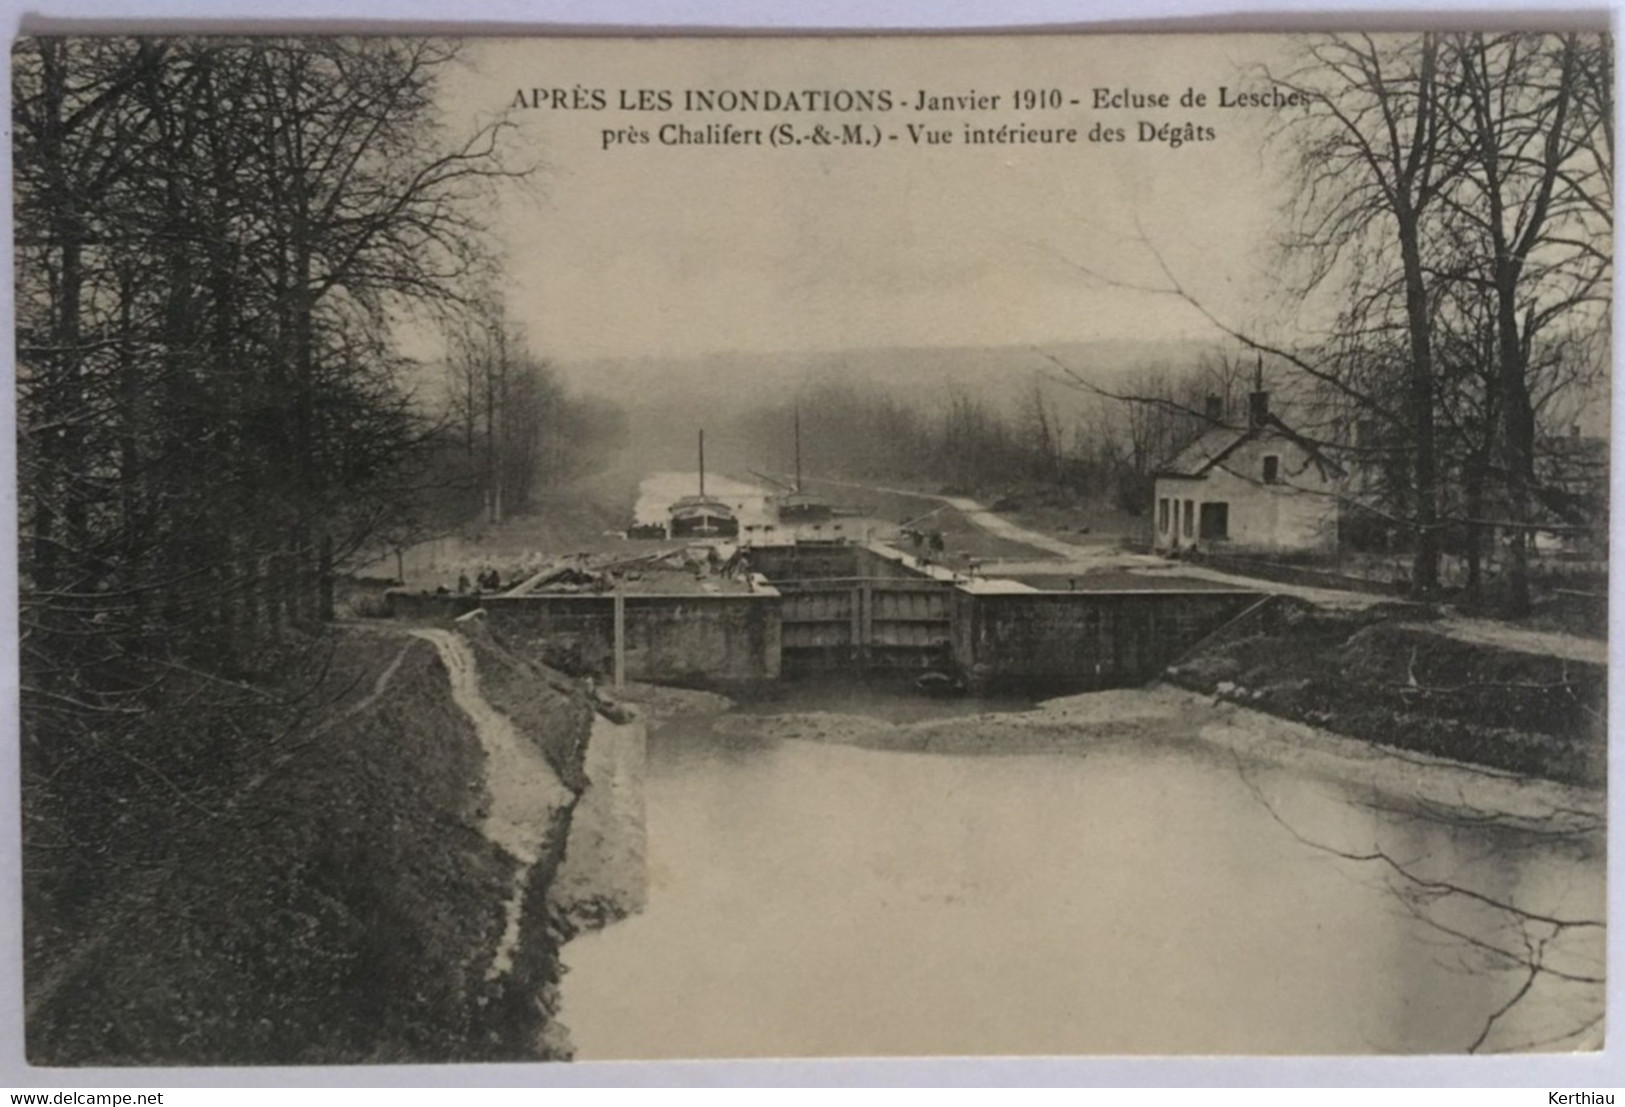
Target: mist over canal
point(1133, 896)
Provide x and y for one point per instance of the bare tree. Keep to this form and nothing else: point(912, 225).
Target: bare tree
point(1531, 167)
point(1372, 170)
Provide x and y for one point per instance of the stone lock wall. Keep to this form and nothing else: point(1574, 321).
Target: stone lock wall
point(669, 639)
point(1079, 640)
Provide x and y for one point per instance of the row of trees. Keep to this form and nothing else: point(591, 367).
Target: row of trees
point(211, 237)
point(1082, 447)
point(219, 242)
point(512, 428)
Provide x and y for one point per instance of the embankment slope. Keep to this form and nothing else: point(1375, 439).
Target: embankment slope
point(349, 902)
point(1395, 676)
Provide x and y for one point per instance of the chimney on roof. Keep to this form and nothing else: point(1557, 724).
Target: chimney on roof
point(1258, 401)
point(1213, 409)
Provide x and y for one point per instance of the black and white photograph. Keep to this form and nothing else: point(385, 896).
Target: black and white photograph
point(606, 548)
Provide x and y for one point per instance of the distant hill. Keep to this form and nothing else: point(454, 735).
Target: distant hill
point(668, 399)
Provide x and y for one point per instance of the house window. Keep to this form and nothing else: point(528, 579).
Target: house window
point(1162, 515)
point(1190, 517)
point(1215, 522)
point(1272, 469)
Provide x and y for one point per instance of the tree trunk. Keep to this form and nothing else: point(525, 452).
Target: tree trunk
point(326, 569)
point(1518, 426)
point(1475, 535)
point(55, 392)
point(1419, 401)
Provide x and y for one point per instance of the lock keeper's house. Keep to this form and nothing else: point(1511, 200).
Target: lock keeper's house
point(1258, 488)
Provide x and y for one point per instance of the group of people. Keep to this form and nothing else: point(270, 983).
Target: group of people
point(486, 580)
point(923, 540)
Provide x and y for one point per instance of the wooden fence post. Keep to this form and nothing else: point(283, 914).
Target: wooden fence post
point(620, 637)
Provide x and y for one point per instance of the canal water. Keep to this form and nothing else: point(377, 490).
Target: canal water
point(810, 898)
point(657, 492)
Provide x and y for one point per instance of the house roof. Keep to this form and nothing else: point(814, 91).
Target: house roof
point(1219, 442)
point(1572, 478)
point(1207, 451)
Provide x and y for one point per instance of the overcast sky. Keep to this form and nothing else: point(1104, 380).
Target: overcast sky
point(655, 250)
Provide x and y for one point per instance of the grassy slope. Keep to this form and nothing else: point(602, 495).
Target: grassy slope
point(344, 912)
point(544, 704)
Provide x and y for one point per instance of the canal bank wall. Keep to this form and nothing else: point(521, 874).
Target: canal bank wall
point(603, 877)
point(561, 795)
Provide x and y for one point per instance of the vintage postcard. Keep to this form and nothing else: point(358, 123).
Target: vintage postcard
point(606, 548)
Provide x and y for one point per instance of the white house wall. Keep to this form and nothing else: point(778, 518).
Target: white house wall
point(1294, 515)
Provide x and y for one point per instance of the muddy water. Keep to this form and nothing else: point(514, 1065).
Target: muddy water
point(810, 898)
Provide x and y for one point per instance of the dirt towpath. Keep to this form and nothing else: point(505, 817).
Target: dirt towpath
point(525, 791)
